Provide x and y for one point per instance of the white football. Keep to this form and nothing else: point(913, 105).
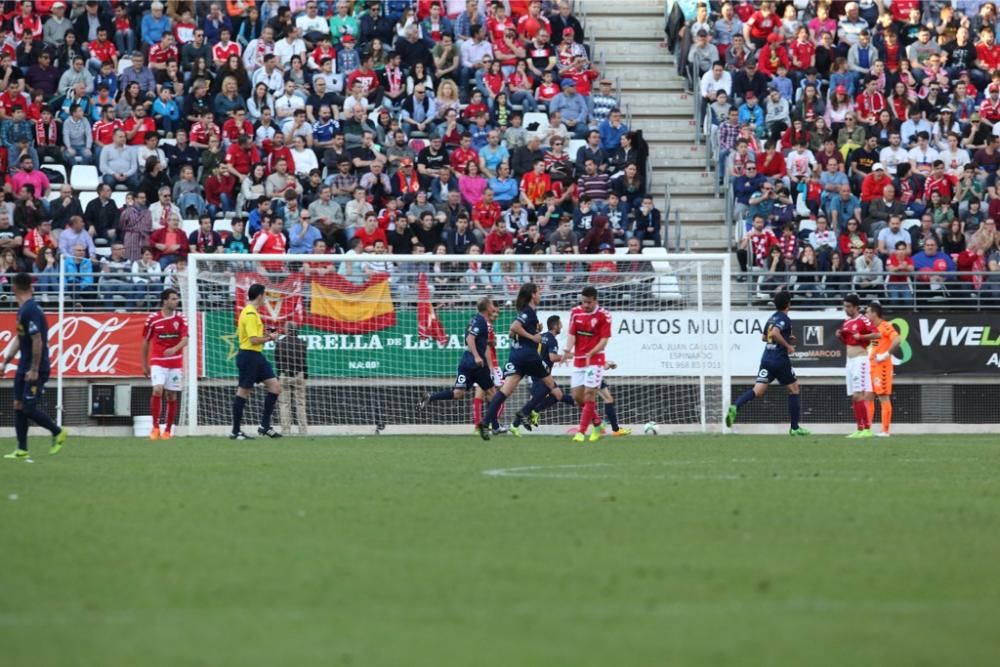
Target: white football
point(650, 428)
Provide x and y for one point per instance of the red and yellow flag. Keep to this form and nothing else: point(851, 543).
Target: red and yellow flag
point(340, 306)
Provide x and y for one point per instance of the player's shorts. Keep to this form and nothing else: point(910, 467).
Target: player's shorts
point(588, 376)
point(254, 368)
point(172, 379)
point(779, 370)
point(526, 366)
point(29, 392)
point(474, 375)
point(859, 376)
point(881, 377)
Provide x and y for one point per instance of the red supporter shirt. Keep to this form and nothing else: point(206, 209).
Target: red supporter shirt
point(266, 243)
point(232, 131)
point(104, 131)
point(222, 53)
point(988, 56)
point(894, 261)
point(528, 26)
point(761, 26)
point(901, 9)
point(241, 160)
point(34, 241)
point(854, 328)
point(761, 245)
point(496, 29)
point(160, 55)
point(495, 244)
point(589, 329)
point(486, 214)
point(139, 138)
point(200, 132)
point(801, 54)
point(164, 332)
point(534, 186)
point(868, 106)
point(892, 58)
point(104, 52)
point(369, 239)
point(945, 186)
point(461, 157)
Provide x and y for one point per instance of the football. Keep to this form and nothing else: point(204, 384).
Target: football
point(650, 428)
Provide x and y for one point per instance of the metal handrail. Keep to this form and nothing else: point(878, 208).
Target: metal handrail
point(678, 230)
point(727, 218)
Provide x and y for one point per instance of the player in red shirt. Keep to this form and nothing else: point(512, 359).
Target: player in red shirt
point(856, 333)
point(166, 332)
point(589, 333)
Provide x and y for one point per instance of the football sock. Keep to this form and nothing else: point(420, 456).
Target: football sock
point(870, 411)
point(545, 403)
point(886, 409)
point(494, 408)
point(477, 410)
point(21, 429)
point(744, 398)
point(155, 409)
point(171, 414)
point(612, 415)
point(238, 404)
point(568, 399)
point(33, 413)
point(794, 409)
point(586, 416)
point(269, 402)
point(443, 395)
point(860, 414)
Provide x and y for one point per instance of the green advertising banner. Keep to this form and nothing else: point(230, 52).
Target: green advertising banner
point(394, 351)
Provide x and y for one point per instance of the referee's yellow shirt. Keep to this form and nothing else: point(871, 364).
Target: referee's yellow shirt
point(250, 326)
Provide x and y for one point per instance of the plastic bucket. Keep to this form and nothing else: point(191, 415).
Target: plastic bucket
point(142, 426)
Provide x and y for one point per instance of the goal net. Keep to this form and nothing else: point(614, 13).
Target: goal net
point(362, 337)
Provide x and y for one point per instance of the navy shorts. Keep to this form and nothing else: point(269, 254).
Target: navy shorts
point(527, 366)
point(474, 375)
point(29, 392)
point(254, 368)
point(780, 370)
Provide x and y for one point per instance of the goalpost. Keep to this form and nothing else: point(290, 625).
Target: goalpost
point(379, 330)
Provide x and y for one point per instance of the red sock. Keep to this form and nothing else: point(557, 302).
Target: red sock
point(860, 414)
point(477, 410)
point(155, 410)
point(586, 416)
point(171, 415)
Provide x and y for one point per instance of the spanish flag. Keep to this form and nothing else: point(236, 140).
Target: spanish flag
point(340, 306)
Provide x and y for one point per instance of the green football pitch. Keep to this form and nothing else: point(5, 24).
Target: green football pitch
point(438, 551)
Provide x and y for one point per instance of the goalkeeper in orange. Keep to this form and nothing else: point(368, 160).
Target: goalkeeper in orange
point(880, 355)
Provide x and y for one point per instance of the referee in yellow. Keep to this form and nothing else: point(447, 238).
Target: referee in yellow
point(254, 367)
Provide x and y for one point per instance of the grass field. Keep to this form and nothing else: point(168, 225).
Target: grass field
point(434, 551)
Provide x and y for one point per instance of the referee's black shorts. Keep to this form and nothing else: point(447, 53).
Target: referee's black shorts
point(253, 367)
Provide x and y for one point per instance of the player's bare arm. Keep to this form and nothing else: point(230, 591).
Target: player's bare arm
point(598, 349)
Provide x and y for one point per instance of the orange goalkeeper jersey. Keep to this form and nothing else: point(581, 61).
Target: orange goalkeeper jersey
point(887, 335)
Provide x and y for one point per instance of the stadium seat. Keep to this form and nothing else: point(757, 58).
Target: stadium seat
point(86, 197)
point(574, 147)
point(56, 167)
point(103, 251)
point(910, 223)
point(124, 64)
point(168, 142)
point(223, 225)
point(666, 287)
point(538, 118)
point(807, 224)
point(54, 194)
point(84, 177)
point(190, 225)
point(119, 198)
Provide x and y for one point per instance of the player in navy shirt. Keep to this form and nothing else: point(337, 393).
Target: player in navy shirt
point(474, 367)
point(32, 370)
point(541, 396)
point(776, 364)
point(524, 360)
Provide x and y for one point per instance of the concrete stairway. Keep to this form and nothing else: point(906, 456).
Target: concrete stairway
point(627, 36)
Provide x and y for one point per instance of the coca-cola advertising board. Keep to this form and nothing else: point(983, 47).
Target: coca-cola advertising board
point(94, 345)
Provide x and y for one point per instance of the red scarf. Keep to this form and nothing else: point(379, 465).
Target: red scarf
point(52, 134)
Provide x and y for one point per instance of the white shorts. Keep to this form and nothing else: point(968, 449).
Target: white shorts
point(172, 379)
point(497, 376)
point(859, 375)
point(588, 376)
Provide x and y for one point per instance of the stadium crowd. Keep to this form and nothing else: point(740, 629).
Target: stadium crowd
point(133, 133)
point(857, 138)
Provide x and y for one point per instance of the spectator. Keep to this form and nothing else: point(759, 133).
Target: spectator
point(78, 272)
point(933, 271)
point(868, 278)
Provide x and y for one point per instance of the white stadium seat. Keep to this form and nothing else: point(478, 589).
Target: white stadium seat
point(84, 177)
point(86, 197)
point(189, 226)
